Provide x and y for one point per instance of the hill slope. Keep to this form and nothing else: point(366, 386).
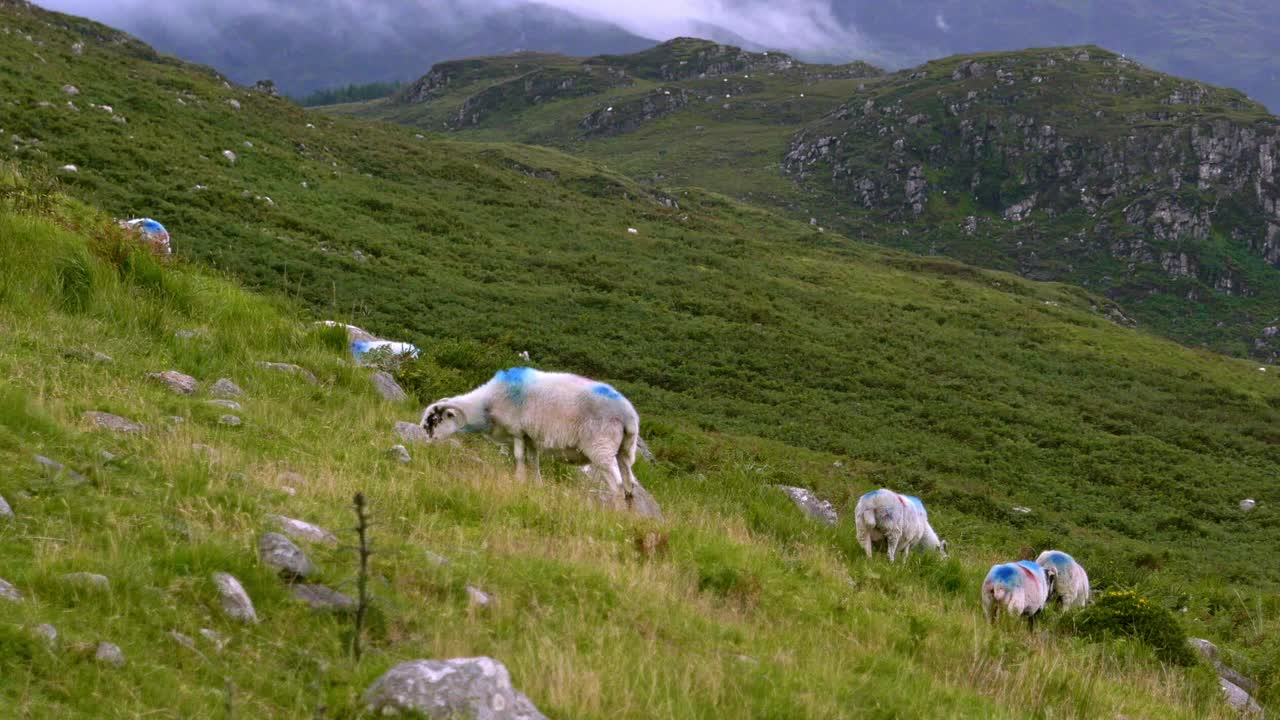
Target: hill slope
point(758, 349)
point(1070, 164)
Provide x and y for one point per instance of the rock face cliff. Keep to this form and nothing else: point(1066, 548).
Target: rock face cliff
point(1130, 173)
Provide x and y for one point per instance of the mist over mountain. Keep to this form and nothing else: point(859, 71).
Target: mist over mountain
point(335, 42)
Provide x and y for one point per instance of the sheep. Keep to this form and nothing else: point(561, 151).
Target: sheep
point(574, 418)
point(1022, 587)
point(1071, 586)
point(900, 520)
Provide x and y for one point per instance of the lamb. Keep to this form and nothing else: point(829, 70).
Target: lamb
point(900, 520)
point(1071, 586)
point(1022, 587)
point(574, 418)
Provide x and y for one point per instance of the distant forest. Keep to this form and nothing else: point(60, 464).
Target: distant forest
point(351, 93)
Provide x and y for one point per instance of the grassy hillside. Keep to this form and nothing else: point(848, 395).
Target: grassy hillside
point(759, 351)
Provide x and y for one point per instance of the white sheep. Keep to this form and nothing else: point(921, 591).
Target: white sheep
point(1022, 587)
point(571, 417)
point(1072, 583)
point(900, 520)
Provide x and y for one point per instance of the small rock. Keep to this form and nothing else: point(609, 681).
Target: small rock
point(304, 530)
point(6, 512)
point(69, 169)
point(70, 90)
point(9, 592)
point(290, 368)
point(436, 558)
point(412, 433)
point(248, 145)
point(177, 419)
point(235, 104)
point(109, 654)
point(811, 504)
point(400, 453)
point(187, 334)
point(228, 404)
point(183, 640)
point(230, 156)
point(359, 256)
point(632, 231)
point(388, 388)
point(224, 388)
point(320, 597)
point(210, 453)
point(235, 601)
point(48, 632)
point(289, 491)
point(115, 423)
point(176, 381)
point(642, 503)
point(277, 551)
point(214, 637)
point(230, 421)
point(291, 478)
point(477, 597)
point(1248, 504)
point(459, 688)
point(87, 356)
point(1022, 510)
point(89, 580)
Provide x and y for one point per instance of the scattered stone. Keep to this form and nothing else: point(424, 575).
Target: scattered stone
point(228, 404)
point(183, 640)
point(70, 90)
point(235, 601)
point(1209, 652)
point(187, 334)
point(359, 256)
point(436, 558)
point(110, 654)
point(290, 368)
point(400, 453)
point(1022, 510)
point(304, 530)
point(224, 388)
point(230, 421)
point(230, 156)
point(235, 104)
point(277, 551)
point(87, 356)
point(291, 478)
point(412, 433)
point(6, 512)
point(214, 637)
point(176, 381)
point(1247, 504)
point(177, 419)
point(642, 503)
point(69, 169)
point(388, 388)
point(320, 597)
point(477, 597)
point(77, 48)
point(9, 592)
point(811, 504)
point(90, 580)
point(210, 453)
point(289, 491)
point(248, 144)
point(267, 87)
point(632, 231)
point(57, 469)
point(1239, 700)
point(48, 632)
point(115, 423)
point(475, 688)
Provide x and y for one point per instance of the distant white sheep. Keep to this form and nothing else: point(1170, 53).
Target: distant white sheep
point(900, 520)
point(571, 417)
point(1072, 583)
point(1022, 587)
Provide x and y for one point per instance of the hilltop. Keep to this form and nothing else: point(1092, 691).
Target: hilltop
point(1069, 164)
point(759, 350)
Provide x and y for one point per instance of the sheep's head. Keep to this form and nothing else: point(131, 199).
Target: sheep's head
point(441, 419)
point(943, 546)
point(1051, 577)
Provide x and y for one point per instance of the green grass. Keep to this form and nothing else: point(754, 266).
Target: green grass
point(758, 350)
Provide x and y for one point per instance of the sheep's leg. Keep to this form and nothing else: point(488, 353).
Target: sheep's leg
point(906, 550)
point(892, 540)
point(607, 465)
point(534, 460)
point(625, 459)
point(866, 543)
point(517, 449)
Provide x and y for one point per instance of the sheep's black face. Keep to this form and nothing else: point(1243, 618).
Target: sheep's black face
point(1051, 575)
point(440, 421)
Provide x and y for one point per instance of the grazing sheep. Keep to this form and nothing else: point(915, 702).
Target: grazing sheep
point(1023, 587)
point(1071, 585)
point(571, 417)
point(900, 520)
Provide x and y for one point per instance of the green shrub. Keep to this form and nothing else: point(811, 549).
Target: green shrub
point(1125, 613)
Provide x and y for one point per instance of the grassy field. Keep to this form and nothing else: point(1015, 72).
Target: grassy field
point(759, 351)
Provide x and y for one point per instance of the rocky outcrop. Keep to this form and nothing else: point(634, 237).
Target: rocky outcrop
point(811, 504)
point(175, 381)
point(629, 116)
point(115, 423)
point(458, 689)
point(387, 386)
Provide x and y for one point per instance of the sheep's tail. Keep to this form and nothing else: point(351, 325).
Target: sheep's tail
point(627, 452)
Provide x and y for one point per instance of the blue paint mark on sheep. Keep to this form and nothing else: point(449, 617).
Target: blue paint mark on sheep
point(1007, 574)
point(1059, 559)
point(915, 501)
point(515, 379)
point(872, 494)
point(606, 391)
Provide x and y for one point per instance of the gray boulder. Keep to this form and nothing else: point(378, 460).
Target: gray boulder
point(412, 433)
point(477, 597)
point(1241, 701)
point(292, 369)
point(109, 654)
point(214, 637)
point(642, 503)
point(115, 423)
point(304, 530)
point(9, 592)
point(277, 551)
point(1248, 504)
point(354, 334)
point(224, 403)
point(184, 640)
point(235, 601)
point(224, 388)
point(5, 511)
point(57, 469)
point(48, 633)
point(230, 421)
point(88, 580)
point(811, 504)
point(175, 381)
point(459, 689)
point(388, 388)
point(320, 597)
point(400, 453)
